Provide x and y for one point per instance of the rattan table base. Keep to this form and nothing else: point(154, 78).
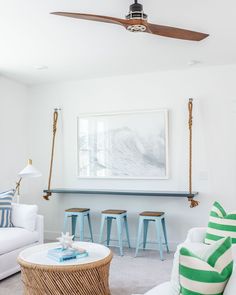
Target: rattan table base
point(87, 279)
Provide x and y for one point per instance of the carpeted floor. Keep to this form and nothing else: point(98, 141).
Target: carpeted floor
point(128, 275)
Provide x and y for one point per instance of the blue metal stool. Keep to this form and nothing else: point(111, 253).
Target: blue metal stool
point(121, 219)
point(78, 215)
point(144, 219)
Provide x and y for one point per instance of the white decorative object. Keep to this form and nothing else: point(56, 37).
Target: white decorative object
point(65, 240)
point(123, 145)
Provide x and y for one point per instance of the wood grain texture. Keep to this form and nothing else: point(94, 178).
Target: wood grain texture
point(176, 33)
point(93, 17)
point(77, 210)
point(151, 213)
point(160, 30)
point(113, 211)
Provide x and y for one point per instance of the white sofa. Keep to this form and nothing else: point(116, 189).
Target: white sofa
point(14, 239)
point(195, 236)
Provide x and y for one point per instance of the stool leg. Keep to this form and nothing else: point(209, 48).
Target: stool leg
point(74, 222)
point(165, 234)
point(139, 235)
point(101, 228)
point(119, 232)
point(65, 223)
point(90, 227)
point(81, 227)
point(109, 224)
point(127, 230)
point(159, 234)
point(145, 231)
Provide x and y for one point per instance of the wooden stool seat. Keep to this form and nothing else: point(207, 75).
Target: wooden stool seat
point(77, 210)
point(151, 213)
point(112, 211)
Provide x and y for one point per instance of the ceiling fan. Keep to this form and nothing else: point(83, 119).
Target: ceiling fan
point(136, 21)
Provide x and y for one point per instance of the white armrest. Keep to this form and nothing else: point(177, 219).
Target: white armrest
point(196, 235)
point(40, 228)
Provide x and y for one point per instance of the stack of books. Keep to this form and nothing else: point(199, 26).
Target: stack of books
point(60, 254)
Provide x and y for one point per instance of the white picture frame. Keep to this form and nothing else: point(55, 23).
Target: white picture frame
point(123, 145)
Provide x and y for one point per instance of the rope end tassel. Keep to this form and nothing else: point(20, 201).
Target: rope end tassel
point(193, 203)
point(46, 197)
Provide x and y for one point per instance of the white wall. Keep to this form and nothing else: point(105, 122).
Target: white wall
point(13, 131)
point(214, 143)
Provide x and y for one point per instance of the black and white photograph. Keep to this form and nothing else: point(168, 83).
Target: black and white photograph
point(123, 145)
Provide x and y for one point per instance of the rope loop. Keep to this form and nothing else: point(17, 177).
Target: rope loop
point(55, 119)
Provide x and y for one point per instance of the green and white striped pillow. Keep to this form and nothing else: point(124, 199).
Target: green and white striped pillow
point(220, 225)
point(208, 273)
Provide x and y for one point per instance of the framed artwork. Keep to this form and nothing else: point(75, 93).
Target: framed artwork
point(123, 145)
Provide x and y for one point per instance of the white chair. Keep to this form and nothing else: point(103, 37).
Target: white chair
point(196, 238)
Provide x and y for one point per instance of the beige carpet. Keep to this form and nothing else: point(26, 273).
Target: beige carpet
point(128, 275)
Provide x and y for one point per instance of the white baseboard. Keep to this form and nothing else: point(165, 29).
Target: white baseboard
point(52, 235)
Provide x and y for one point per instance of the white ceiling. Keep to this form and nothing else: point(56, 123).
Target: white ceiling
point(78, 49)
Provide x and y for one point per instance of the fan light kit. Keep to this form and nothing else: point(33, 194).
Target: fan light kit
point(136, 21)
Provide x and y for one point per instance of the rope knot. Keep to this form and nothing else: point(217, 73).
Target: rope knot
point(193, 203)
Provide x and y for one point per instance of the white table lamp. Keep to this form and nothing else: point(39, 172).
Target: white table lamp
point(28, 171)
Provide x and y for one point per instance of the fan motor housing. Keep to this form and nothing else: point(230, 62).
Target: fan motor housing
point(136, 12)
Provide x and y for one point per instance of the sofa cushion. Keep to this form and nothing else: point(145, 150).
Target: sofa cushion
point(209, 272)
point(24, 216)
point(13, 238)
point(220, 225)
point(5, 208)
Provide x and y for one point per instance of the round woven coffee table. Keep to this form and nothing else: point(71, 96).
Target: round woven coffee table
point(44, 276)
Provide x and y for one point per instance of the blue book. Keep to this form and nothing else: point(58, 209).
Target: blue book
point(60, 255)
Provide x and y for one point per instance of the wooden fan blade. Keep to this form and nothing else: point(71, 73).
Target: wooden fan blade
point(175, 33)
point(93, 17)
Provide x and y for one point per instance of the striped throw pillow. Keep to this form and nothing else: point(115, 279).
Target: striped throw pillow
point(5, 208)
point(220, 225)
point(208, 274)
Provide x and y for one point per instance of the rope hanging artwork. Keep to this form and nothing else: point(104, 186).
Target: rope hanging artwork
point(54, 131)
point(193, 203)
